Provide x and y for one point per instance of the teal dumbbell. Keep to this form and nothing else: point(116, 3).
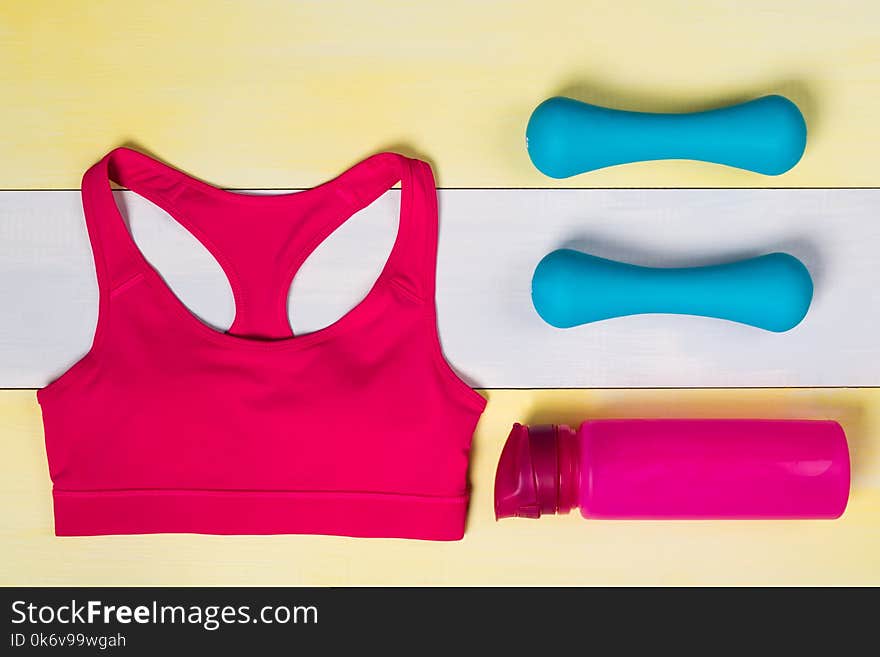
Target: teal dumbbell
point(566, 137)
point(771, 292)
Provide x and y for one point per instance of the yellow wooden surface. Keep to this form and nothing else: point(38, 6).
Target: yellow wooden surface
point(553, 550)
point(273, 93)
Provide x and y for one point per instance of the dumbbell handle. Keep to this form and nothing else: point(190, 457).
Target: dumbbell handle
point(566, 137)
point(771, 292)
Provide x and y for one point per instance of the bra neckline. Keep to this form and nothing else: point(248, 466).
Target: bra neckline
point(367, 307)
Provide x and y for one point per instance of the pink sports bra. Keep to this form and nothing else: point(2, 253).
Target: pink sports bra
point(168, 425)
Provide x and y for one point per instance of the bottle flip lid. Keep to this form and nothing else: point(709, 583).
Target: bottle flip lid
point(529, 481)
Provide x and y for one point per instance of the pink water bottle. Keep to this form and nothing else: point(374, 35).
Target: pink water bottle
point(666, 469)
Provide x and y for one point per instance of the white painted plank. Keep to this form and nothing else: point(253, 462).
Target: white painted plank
point(490, 242)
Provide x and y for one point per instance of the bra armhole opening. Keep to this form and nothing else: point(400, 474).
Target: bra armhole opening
point(105, 293)
point(458, 387)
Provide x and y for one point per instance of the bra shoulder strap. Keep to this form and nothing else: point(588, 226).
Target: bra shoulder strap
point(117, 258)
point(419, 229)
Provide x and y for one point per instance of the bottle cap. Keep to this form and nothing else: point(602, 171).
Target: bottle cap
point(537, 472)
